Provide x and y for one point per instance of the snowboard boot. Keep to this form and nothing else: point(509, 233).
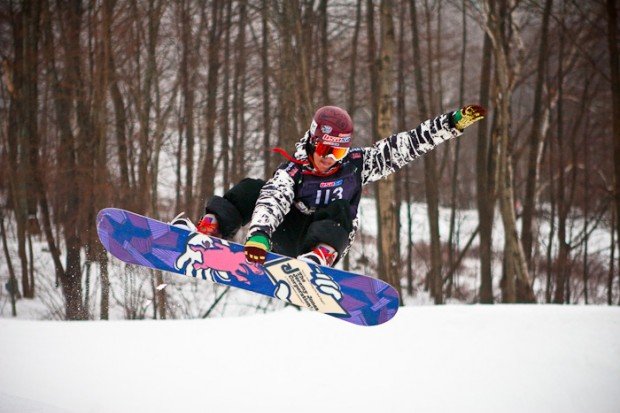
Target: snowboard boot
point(183, 222)
point(208, 225)
point(322, 254)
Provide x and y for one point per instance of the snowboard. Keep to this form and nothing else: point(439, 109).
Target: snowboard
point(136, 239)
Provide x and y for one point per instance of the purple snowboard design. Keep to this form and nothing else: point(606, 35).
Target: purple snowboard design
point(136, 239)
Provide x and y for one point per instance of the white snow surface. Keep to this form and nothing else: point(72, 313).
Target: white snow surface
point(454, 358)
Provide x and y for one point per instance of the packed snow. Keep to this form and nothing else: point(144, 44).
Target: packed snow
point(502, 358)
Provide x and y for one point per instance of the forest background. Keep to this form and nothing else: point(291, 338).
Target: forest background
point(154, 106)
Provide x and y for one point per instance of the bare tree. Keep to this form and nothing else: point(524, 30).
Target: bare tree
point(324, 56)
point(239, 88)
point(401, 120)
point(537, 133)
point(208, 167)
point(431, 178)
point(286, 79)
point(612, 256)
point(187, 68)
point(151, 37)
point(12, 284)
point(23, 135)
point(457, 150)
point(71, 277)
point(120, 117)
point(225, 115)
point(389, 258)
point(614, 58)
point(516, 267)
point(485, 173)
point(351, 95)
point(266, 70)
point(430, 168)
point(371, 55)
point(302, 20)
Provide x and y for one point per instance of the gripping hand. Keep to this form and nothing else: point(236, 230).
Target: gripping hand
point(256, 248)
point(468, 115)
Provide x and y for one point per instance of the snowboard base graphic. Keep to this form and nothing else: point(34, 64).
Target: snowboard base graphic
point(136, 239)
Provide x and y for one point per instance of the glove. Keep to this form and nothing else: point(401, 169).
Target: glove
point(463, 118)
point(256, 248)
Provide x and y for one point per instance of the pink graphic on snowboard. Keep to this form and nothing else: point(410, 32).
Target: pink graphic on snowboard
point(207, 258)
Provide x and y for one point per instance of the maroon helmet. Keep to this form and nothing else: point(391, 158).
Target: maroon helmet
point(331, 132)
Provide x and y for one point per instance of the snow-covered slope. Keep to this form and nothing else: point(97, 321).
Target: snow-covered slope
point(443, 359)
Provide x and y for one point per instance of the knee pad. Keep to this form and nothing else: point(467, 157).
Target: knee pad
point(235, 208)
point(326, 231)
point(244, 196)
point(338, 211)
point(228, 216)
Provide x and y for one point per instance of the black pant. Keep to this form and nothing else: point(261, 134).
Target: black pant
point(297, 234)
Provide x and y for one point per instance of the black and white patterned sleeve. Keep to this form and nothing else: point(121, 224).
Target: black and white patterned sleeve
point(391, 154)
point(274, 201)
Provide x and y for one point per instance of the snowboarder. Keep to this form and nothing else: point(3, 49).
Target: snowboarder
point(308, 209)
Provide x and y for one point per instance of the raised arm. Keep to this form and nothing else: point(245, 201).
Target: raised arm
point(391, 154)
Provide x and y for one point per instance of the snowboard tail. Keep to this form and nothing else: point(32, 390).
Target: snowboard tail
point(139, 240)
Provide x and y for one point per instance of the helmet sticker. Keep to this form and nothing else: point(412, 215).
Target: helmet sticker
point(313, 127)
point(336, 140)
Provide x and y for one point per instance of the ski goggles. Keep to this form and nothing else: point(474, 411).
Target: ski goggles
point(325, 147)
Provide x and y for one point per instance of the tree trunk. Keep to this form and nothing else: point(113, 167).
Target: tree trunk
point(30, 99)
point(72, 85)
point(374, 75)
point(564, 248)
point(162, 300)
point(188, 86)
point(121, 139)
point(552, 219)
point(535, 141)
point(430, 169)
point(154, 14)
point(302, 32)
point(401, 114)
point(351, 95)
point(432, 201)
point(389, 263)
point(514, 250)
point(239, 98)
point(452, 244)
point(612, 260)
point(614, 59)
point(24, 193)
point(59, 96)
point(586, 213)
point(324, 56)
point(267, 167)
point(101, 179)
point(227, 175)
point(120, 119)
point(208, 166)
point(12, 284)
point(286, 79)
point(431, 177)
point(484, 181)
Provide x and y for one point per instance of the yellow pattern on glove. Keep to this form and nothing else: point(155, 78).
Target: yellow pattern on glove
point(256, 248)
point(468, 115)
